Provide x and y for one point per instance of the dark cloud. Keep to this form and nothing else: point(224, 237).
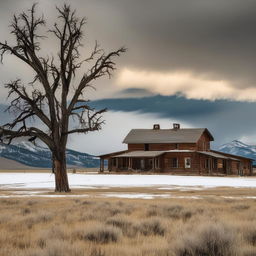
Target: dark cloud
point(226, 119)
point(133, 92)
point(214, 38)
point(211, 38)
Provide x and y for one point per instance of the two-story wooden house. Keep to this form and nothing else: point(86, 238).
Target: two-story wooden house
point(174, 150)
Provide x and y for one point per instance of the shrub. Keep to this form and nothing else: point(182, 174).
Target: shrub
point(208, 240)
point(25, 211)
point(177, 212)
point(250, 235)
point(151, 227)
point(97, 252)
point(241, 207)
point(62, 248)
point(99, 234)
point(126, 226)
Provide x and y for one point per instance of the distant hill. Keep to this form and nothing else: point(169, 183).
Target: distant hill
point(239, 148)
point(8, 164)
point(28, 154)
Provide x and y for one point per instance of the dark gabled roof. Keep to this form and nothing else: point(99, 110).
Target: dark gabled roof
point(188, 135)
point(217, 155)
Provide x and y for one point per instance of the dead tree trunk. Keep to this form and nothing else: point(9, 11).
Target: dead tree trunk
point(60, 171)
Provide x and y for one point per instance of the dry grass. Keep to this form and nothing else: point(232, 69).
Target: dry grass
point(111, 227)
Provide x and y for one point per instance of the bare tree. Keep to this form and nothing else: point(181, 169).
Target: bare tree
point(53, 97)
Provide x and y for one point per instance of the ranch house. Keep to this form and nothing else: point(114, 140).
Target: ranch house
point(175, 150)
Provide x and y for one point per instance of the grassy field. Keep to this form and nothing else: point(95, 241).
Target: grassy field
point(112, 227)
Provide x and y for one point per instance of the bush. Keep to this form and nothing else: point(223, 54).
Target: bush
point(100, 234)
point(208, 240)
point(177, 212)
point(250, 235)
point(97, 252)
point(126, 226)
point(151, 227)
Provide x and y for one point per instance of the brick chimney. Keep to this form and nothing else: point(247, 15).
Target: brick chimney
point(156, 127)
point(176, 126)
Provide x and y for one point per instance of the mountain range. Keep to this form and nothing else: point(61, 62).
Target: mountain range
point(29, 154)
point(237, 147)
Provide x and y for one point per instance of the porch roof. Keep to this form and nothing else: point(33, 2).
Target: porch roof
point(216, 155)
point(141, 154)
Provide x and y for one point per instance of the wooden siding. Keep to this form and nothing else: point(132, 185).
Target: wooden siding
point(203, 143)
point(163, 146)
point(168, 158)
point(133, 147)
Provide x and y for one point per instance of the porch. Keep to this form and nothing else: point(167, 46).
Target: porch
point(214, 163)
point(135, 160)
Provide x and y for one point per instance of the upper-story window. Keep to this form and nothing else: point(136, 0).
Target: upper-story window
point(146, 147)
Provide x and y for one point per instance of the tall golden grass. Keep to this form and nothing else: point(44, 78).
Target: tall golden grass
point(113, 227)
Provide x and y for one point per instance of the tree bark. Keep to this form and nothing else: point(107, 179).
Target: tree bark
point(61, 177)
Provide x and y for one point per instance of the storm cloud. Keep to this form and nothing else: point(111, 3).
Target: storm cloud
point(212, 40)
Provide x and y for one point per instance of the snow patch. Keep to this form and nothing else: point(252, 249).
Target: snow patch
point(46, 181)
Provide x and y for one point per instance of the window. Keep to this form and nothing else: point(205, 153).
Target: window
point(146, 147)
point(174, 162)
point(187, 162)
point(176, 145)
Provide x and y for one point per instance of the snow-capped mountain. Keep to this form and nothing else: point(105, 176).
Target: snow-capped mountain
point(29, 154)
point(237, 147)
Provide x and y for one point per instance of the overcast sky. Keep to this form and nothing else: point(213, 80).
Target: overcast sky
point(198, 49)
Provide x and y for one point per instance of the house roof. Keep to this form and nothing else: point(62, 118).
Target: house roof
point(142, 154)
point(112, 153)
point(217, 155)
point(187, 135)
point(231, 155)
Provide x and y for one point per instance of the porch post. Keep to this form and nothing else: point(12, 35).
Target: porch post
point(101, 165)
point(129, 163)
point(153, 164)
